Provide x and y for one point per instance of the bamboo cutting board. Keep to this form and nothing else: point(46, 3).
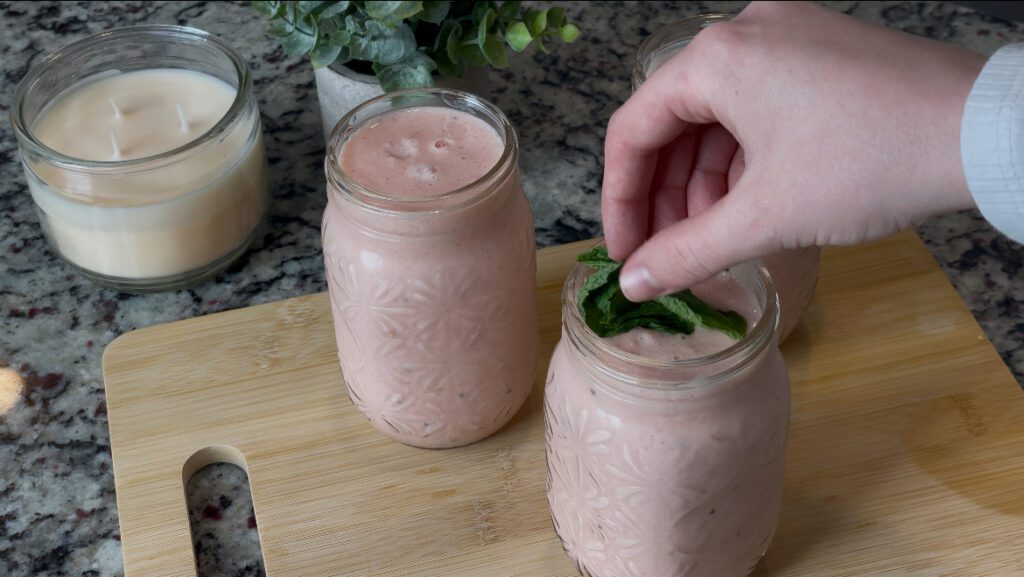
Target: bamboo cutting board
point(906, 454)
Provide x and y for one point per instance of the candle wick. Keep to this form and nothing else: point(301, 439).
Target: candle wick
point(181, 118)
point(113, 143)
point(117, 110)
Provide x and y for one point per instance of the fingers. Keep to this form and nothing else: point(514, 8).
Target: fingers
point(736, 167)
point(709, 181)
point(668, 196)
point(692, 250)
point(653, 117)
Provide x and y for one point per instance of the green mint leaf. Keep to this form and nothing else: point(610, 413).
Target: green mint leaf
point(518, 36)
point(569, 33)
point(392, 11)
point(608, 312)
point(731, 323)
point(597, 256)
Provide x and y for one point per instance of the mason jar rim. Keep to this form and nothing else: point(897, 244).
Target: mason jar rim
point(383, 202)
point(680, 30)
point(28, 140)
point(745, 350)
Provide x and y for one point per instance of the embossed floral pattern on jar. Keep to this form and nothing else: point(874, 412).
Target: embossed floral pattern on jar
point(433, 296)
point(667, 468)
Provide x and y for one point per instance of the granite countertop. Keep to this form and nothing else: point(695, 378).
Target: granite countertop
point(57, 508)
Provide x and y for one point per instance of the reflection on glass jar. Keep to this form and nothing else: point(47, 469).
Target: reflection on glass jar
point(433, 291)
point(143, 152)
point(794, 272)
point(664, 467)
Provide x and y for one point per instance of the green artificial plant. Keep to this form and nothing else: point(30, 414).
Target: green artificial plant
point(405, 42)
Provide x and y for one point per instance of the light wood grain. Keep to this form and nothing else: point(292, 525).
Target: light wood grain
point(906, 454)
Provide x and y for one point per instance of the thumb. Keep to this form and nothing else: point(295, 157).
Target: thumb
point(694, 249)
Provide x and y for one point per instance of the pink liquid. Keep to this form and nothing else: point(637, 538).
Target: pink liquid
point(795, 276)
point(434, 312)
point(669, 482)
point(421, 151)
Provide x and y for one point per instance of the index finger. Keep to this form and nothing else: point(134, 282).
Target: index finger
point(660, 110)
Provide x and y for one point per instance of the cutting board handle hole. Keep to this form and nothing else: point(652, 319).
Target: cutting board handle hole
point(224, 536)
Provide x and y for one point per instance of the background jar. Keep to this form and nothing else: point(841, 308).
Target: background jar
point(434, 297)
point(667, 468)
point(794, 272)
point(160, 222)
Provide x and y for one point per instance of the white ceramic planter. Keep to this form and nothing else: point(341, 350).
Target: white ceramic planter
point(340, 89)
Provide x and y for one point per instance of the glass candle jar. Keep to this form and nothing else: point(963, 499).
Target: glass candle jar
point(143, 152)
point(667, 468)
point(433, 296)
point(794, 272)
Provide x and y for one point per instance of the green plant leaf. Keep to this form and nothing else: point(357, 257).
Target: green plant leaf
point(540, 45)
point(494, 52)
point(730, 323)
point(280, 29)
point(446, 31)
point(299, 42)
point(473, 54)
point(608, 312)
point(434, 12)
point(334, 9)
point(508, 11)
point(412, 72)
point(383, 44)
point(539, 23)
point(267, 9)
point(518, 36)
point(485, 24)
point(308, 7)
point(480, 9)
point(392, 11)
point(569, 33)
point(556, 17)
point(447, 67)
point(324, 54)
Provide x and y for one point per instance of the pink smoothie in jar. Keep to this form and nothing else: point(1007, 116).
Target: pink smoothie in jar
point(431, 264)
point(666, 452)
point(794, 272)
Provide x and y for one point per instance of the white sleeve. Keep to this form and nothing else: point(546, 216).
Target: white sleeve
point(992, 141)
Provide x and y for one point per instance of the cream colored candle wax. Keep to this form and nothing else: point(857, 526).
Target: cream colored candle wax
point(182, 207)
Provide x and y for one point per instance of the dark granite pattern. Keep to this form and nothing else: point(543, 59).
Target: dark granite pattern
point(57, 509)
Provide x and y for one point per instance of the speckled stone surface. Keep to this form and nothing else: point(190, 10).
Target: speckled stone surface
point(57, 509)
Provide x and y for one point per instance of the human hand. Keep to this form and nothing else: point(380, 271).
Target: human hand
point(821, 128)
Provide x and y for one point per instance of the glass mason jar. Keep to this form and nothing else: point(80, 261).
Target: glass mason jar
point(159, 222)
point(794, 272)
point(667, 469)
point(434, 297)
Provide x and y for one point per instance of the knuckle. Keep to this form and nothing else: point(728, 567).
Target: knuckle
point(691, 258)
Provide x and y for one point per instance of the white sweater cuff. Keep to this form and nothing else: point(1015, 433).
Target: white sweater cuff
point(992, 141)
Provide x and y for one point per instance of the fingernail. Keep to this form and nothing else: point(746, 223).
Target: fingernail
point(638, 284)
